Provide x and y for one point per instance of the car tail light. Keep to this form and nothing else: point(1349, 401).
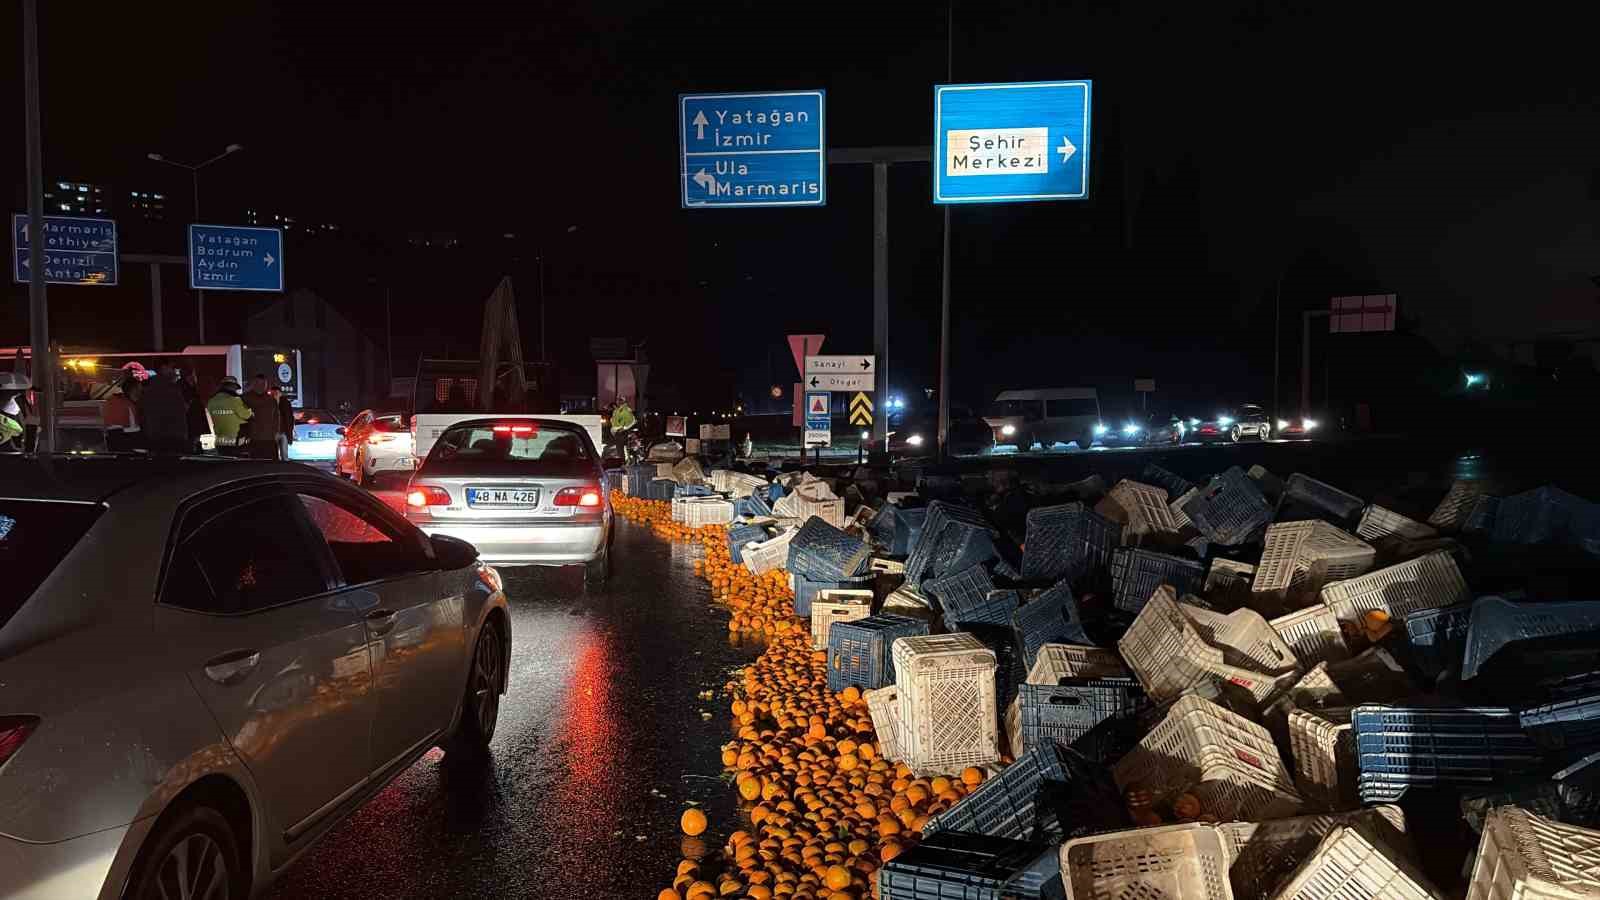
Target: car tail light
point(491, 578)
point(427, 496)
point(588, 495)
point(13, 731)
point(379, 437)
point(527, 430)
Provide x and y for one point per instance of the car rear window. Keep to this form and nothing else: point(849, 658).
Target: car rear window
point(34, 538)
point(315, 417)
point(512, 449)
point(391, 423)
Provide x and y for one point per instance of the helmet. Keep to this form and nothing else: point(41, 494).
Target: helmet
point(15, 381)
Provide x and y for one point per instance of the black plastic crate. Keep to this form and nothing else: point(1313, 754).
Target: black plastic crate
point(822, 552)
point(1174, 484)
point(1438, 638)
point(1051, 617)
point(1009, 671)
point(806, 590)
point(1230, 510)
point(1400, 747)
point(939, 515)
point(1305, 497)
point(639, 478)
point(960, 592)
point(1564, 725)
point(1097, 717)
point(859, 652)
point(953, 865)
point(660, 489)
point(1136, 573)
point(1544, 515)
point(1049, 794)
point(1578, 786)
point(1066, 541)
point(1039, 880)
point(1497, 623)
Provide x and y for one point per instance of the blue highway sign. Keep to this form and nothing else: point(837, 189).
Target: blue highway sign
point(752, 149)
point(817, 416)
point(76, 250)
point(235, 258)
point(1000, 143)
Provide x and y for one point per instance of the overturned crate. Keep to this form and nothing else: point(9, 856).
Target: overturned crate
point(1170, 862)
point(1050, 792)
point(1067, 541)
point(834, 606)
point(1379, 523)
point(953, 537)
point(1136, 573)
point(1302, 557)
point(1051, 617)
point(1522, 856)
point(883, 707)
point(1452, 511)
point(1323, 747)
point(859, 650)
point(1497, 623)
point(1094, 716)
point(1230, 510)
point(822, 552)
point(1353, 861)
point(1313, 634)
point(1305, 497)
point(948, 707)
point(1056, 664)
point(1427, 582)
point(955, 864)
point(1398, 748)
point(1170, 655)
point(764, 556)
point(1264, 853)
point(1145, 511)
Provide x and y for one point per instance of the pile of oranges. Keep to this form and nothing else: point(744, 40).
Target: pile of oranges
point(638, 509)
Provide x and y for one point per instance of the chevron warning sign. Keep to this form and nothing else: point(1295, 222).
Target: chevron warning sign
point(861, 410)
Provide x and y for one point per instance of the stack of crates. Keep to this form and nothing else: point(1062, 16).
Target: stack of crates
point(1378, 523)
point(1401, 747)
point(1061, 664)
point(1049, 793)
point(936, 553)
point(1170, 862)
point(1452, 511)
point(1051, 617)
point(859, 651)
point(1169, 654)
point(1305, 555)
point(1149, 519)
point(1305, 497)
point(1230, 510)
point(1229, 763)
point(948, 708)
point(1137, 573)
point(1323, 747)
point(834, 606)
point(1427, 582)
point(1497, 622)
point(1264, 853)
point(1067, 541)
point(823, 552)
point(806, 591)
point(1353, 863)
point(956, 865)
point(1522, 856)
point(962, 593)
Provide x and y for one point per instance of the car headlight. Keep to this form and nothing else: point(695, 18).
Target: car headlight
point(1008, 430)
point(1099, 430)
point(1282, 424)
point(1130, 428)
point(1224, 421)
point(1194, 423)
point(915, 440)
point(1308, 424)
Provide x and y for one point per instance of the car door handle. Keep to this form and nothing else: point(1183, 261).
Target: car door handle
point(380, 620)
point(231, 667)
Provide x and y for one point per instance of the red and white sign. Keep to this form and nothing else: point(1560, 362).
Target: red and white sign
point(1354, 315)
point(802, 346)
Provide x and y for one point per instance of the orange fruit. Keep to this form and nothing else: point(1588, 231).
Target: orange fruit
point(972, 775)
point(750, 788)
point(668, 894)
point(693, 821)
point(838, 877)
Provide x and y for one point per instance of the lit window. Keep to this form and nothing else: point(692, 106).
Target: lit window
point(159, 197)
point(133, 193)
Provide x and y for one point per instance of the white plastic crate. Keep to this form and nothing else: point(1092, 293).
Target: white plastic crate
point(1055, 662)
point(739, 484)
point(1145, 506)
point(1313, 635)
point(1322, 744)
point(664, 470)
point(1378, 522)
point(1306, 555)
point(1171, 862)
point(1180, 518)
point(688, 471)
point(836, 605)
point(1227, 574)
point(798, 507)
point(1227, 761)
point(886, 566)
point(1353, 863)
point(908, 601)
point(1522, 856)
point(1169, 654)
point(769, 554)
point(1265, 852)
point(1245, 638)
point(1427, 582)
point(883, 705)
point(1280, 556)
point(1451, 513)
point(699, 511)
point(948, 711)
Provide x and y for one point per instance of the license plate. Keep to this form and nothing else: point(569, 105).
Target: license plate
point(504, 497)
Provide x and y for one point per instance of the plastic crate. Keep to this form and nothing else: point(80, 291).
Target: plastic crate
point(1452, 511)
point(637, 477)
point(1271, 485)
point(1228, 578)
point(1009, 669)
point(1180, 517)
point(823, 552)
point(1136, 573)
point(997, 608)
point(948, 709)
point(1051, 617)
point(1094, 716)
point(961, 591)
point(1427, 582)
point(741, 535)
point(1313, 635)
point(883, 707)
point(1353, 863)
point(1227, 761)
point(806, 590)
point(1541, 516)
point(1230, 510)
point(1067, 541)
point(1378, 522)
point(833, 606)
point(1038, 880)
point(1054, 662)
point(1246, 640)
point(1009, 804)
point(858, 650)
point(1564, 724)
point(1264, 853)
point(1480, 516)
point(799, 506)
point(707, 511)
point(940, 514)
point(616, 481)
point(1174, 484)
point(660, 489)
point(960, 547)
point(770, 554)
point(1145, 505)
point(1323, 747)
point(1306, 497)
point(1401, 747)
point(907, 530)
point(1172, 862)
point(953, 865)
point(1438, 638)
point(1305, 555)
point(1497, 622)
point(1522, 856)
point(1169, 654)
point(754, 505)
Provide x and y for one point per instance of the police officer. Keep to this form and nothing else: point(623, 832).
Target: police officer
point(228, 413)
point(13, 386)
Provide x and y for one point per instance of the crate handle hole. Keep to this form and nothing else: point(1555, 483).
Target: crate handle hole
point(1067, 700)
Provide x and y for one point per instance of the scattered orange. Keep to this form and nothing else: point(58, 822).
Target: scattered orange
point(693, 821)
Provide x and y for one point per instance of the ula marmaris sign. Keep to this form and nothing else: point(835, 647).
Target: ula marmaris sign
point(1000, 143)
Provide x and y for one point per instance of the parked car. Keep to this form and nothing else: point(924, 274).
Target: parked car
point(524, 490)
point(1247, 420)
point(316, 437)
point(1297, 428)
point(376, 442)
point(207, 666)
point(1046, 417)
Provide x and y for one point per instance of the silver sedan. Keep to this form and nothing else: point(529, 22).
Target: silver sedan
point(205, 665)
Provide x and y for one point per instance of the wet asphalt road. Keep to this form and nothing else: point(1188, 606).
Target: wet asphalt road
point(600, 744)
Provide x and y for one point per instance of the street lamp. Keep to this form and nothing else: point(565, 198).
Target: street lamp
point(194, 176)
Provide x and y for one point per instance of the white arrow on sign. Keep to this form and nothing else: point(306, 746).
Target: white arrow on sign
point(1066, 149)
point(270, 260)
point(704, 180)
point(700, 124)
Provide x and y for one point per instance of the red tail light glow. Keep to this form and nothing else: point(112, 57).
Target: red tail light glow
point(427, 496)
point(379, 437)
point(516, 429)
point(588, 496)
point(13, 731)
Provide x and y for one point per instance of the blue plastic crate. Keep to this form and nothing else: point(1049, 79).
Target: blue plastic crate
point(1009, 671)
point(1438, 638)
point(1230, 510)
point(1544, 515)
point(922, 561)
point(882, 525)
point(1305, 497)
point(754, 506)
point(694, 490)
point(1497, 622)
point(1049, 794)
point(806, 590)
point(1051, 617)
point(1174, 484)
point(822, 552)
point(1097, 717)
point(1136, 573)
point(1397, 748)
point(860, 652)
point(908, 530)
point(740, 535)
point(1067, 541)
point(660, 489)
point(954, 865)
point(1564, 725)
point(639, 478)
point(963, 591)
point(1039, 880)
point(960, 547)
point(616, 480)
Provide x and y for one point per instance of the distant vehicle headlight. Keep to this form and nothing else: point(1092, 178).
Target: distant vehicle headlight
point(1194, 423)
point(915, 440)
point(1308, 423)
point(1282, 424)
point(1008, 430)
point(1099, 430)
point(1224, 421)
point(1130, 428)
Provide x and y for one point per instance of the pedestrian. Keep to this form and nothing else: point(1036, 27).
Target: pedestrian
point(164, 411)
point(197, 418)
point(14, 388)
point(229, 415)
point(285, 422)
point(121, 415)
point(264, 425)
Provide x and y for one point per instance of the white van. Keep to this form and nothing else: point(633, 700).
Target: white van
point(1046, 417)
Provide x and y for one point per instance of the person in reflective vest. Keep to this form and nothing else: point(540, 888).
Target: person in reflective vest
point(228, 413)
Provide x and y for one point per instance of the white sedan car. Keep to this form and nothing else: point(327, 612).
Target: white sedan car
point(376, 442)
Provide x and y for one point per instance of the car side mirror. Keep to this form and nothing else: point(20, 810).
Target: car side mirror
point(452, 553)
point(340, 431)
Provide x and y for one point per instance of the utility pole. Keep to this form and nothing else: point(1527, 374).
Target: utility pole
point(944, 293)
point(38, 303)
point(194, 172)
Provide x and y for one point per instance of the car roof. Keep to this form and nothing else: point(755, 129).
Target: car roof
point(96, 477)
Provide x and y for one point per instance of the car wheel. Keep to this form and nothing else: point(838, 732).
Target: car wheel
point(193, 856)
point(597, 570)
point(480, 705)
point(1265, 434)
point(1236, 434)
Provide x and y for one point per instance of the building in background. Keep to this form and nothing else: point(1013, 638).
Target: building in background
point(76, 198)
point(339, 363)
point(148, 205)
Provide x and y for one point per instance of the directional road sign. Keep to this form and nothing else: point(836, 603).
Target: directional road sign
point(861, 410)
point(999, 143)
point(819, 438)
point(76, 250)
point(817, 415)
point(840, 373)
point(767, 149)
point(840, 382)
point(235, 258)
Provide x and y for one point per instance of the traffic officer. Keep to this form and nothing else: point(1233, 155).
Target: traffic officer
point(228, 413)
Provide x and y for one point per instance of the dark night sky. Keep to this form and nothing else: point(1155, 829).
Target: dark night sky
point(1415, 148)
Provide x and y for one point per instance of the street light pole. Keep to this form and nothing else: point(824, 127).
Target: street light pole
point(38, 303)
point(194, 176)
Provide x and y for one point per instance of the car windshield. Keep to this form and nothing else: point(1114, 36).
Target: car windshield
point(317, 417)
point(510, 449)
point(34, 537)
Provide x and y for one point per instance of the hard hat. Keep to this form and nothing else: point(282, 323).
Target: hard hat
point(15, 381)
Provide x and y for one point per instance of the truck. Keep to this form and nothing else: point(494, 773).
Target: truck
point(447, 391)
